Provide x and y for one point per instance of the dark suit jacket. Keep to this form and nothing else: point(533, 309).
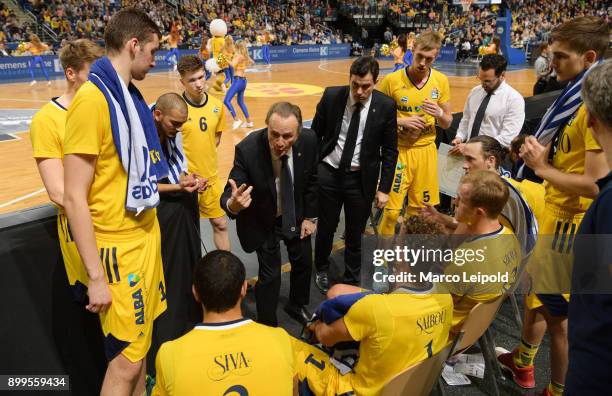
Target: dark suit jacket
point(253, 166)
point(379, 144)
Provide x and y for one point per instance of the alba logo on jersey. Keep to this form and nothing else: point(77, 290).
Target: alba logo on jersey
point(149, 183)
point(235, 363)
point(139, 313)
point(426, 323)
point(133, 279)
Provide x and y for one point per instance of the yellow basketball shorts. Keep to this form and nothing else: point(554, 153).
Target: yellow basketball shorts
point(132, 265)
point(209, 200)
point(550, 265)
point(315, 371)
point(75, 270)
point(416, 176)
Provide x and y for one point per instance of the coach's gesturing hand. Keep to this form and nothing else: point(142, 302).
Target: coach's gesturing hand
point(241, 197)
point(100, 297)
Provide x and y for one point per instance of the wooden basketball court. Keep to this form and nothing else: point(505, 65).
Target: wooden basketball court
point(300, 83)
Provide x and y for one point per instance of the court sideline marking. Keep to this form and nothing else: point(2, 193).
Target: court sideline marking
point(23, 197)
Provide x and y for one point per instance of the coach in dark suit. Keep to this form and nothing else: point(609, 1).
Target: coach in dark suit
point(272, 194)
point(356, 128)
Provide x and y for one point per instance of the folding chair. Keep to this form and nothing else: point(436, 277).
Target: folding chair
point(419, 379)
point(474, 329)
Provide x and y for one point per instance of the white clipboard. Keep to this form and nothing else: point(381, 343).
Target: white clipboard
point(450, 170)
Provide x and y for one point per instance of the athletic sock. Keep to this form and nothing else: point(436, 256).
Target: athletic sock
point(526, 353)
point(555, 389)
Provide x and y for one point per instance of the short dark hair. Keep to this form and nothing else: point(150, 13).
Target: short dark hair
point(170, 101)
point(494, 61)
point(490, 147)
point(285, 110)
point(364, 65)
point(189, 64)
point(218, 278)
point(583, 34)
point(126, 24)
point(517, 142)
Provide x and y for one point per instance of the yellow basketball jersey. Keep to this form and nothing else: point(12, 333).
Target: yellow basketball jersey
point(199, 142)
point(409, 99)
point(575, 140)
point(47, 135)
point(395, 331)
point(88, 131)
point(234, 358)
point(498, 252)
point(47, 131)
point(533, 194)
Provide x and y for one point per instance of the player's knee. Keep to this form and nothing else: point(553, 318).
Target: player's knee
point(219, 224)
point(334, 291)
point(558, 327)
point(340, 289)
point(388, 221)
point(124, 369)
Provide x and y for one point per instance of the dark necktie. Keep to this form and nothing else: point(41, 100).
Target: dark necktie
point(287, 201)
point(351, 139)
point(480, 115)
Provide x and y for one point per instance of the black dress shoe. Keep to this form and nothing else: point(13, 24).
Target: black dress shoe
point(298, 312)
point(322, 281)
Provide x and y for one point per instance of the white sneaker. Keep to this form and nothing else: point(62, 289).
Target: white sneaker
point(33, 82)
point(247, 124)
point(49, 83)
point(174, 68)
point(236, 124)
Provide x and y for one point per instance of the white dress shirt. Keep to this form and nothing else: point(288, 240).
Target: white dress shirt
point(277, 163)
point(503, 117)
point(333, 158)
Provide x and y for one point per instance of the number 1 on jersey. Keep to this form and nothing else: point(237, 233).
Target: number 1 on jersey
point(429, 350)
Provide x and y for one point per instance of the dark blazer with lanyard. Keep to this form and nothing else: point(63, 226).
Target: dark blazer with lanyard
point(258, 225)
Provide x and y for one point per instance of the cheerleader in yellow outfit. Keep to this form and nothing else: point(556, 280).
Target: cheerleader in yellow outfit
point(37, 48)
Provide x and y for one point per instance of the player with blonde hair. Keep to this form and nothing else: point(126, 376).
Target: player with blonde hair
point(47, 136)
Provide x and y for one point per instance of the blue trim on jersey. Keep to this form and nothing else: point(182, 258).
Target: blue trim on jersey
point(113, 346)
point(54, 100)
point(555, 303)
point(79, 292)
point(218, 325)
point(484, 236)
point(532, 222)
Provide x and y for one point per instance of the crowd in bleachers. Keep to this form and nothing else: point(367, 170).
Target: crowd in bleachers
point(532, 22)
point(470, 31)
point(10, 28)
point(303, 21)
point(294, 22)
